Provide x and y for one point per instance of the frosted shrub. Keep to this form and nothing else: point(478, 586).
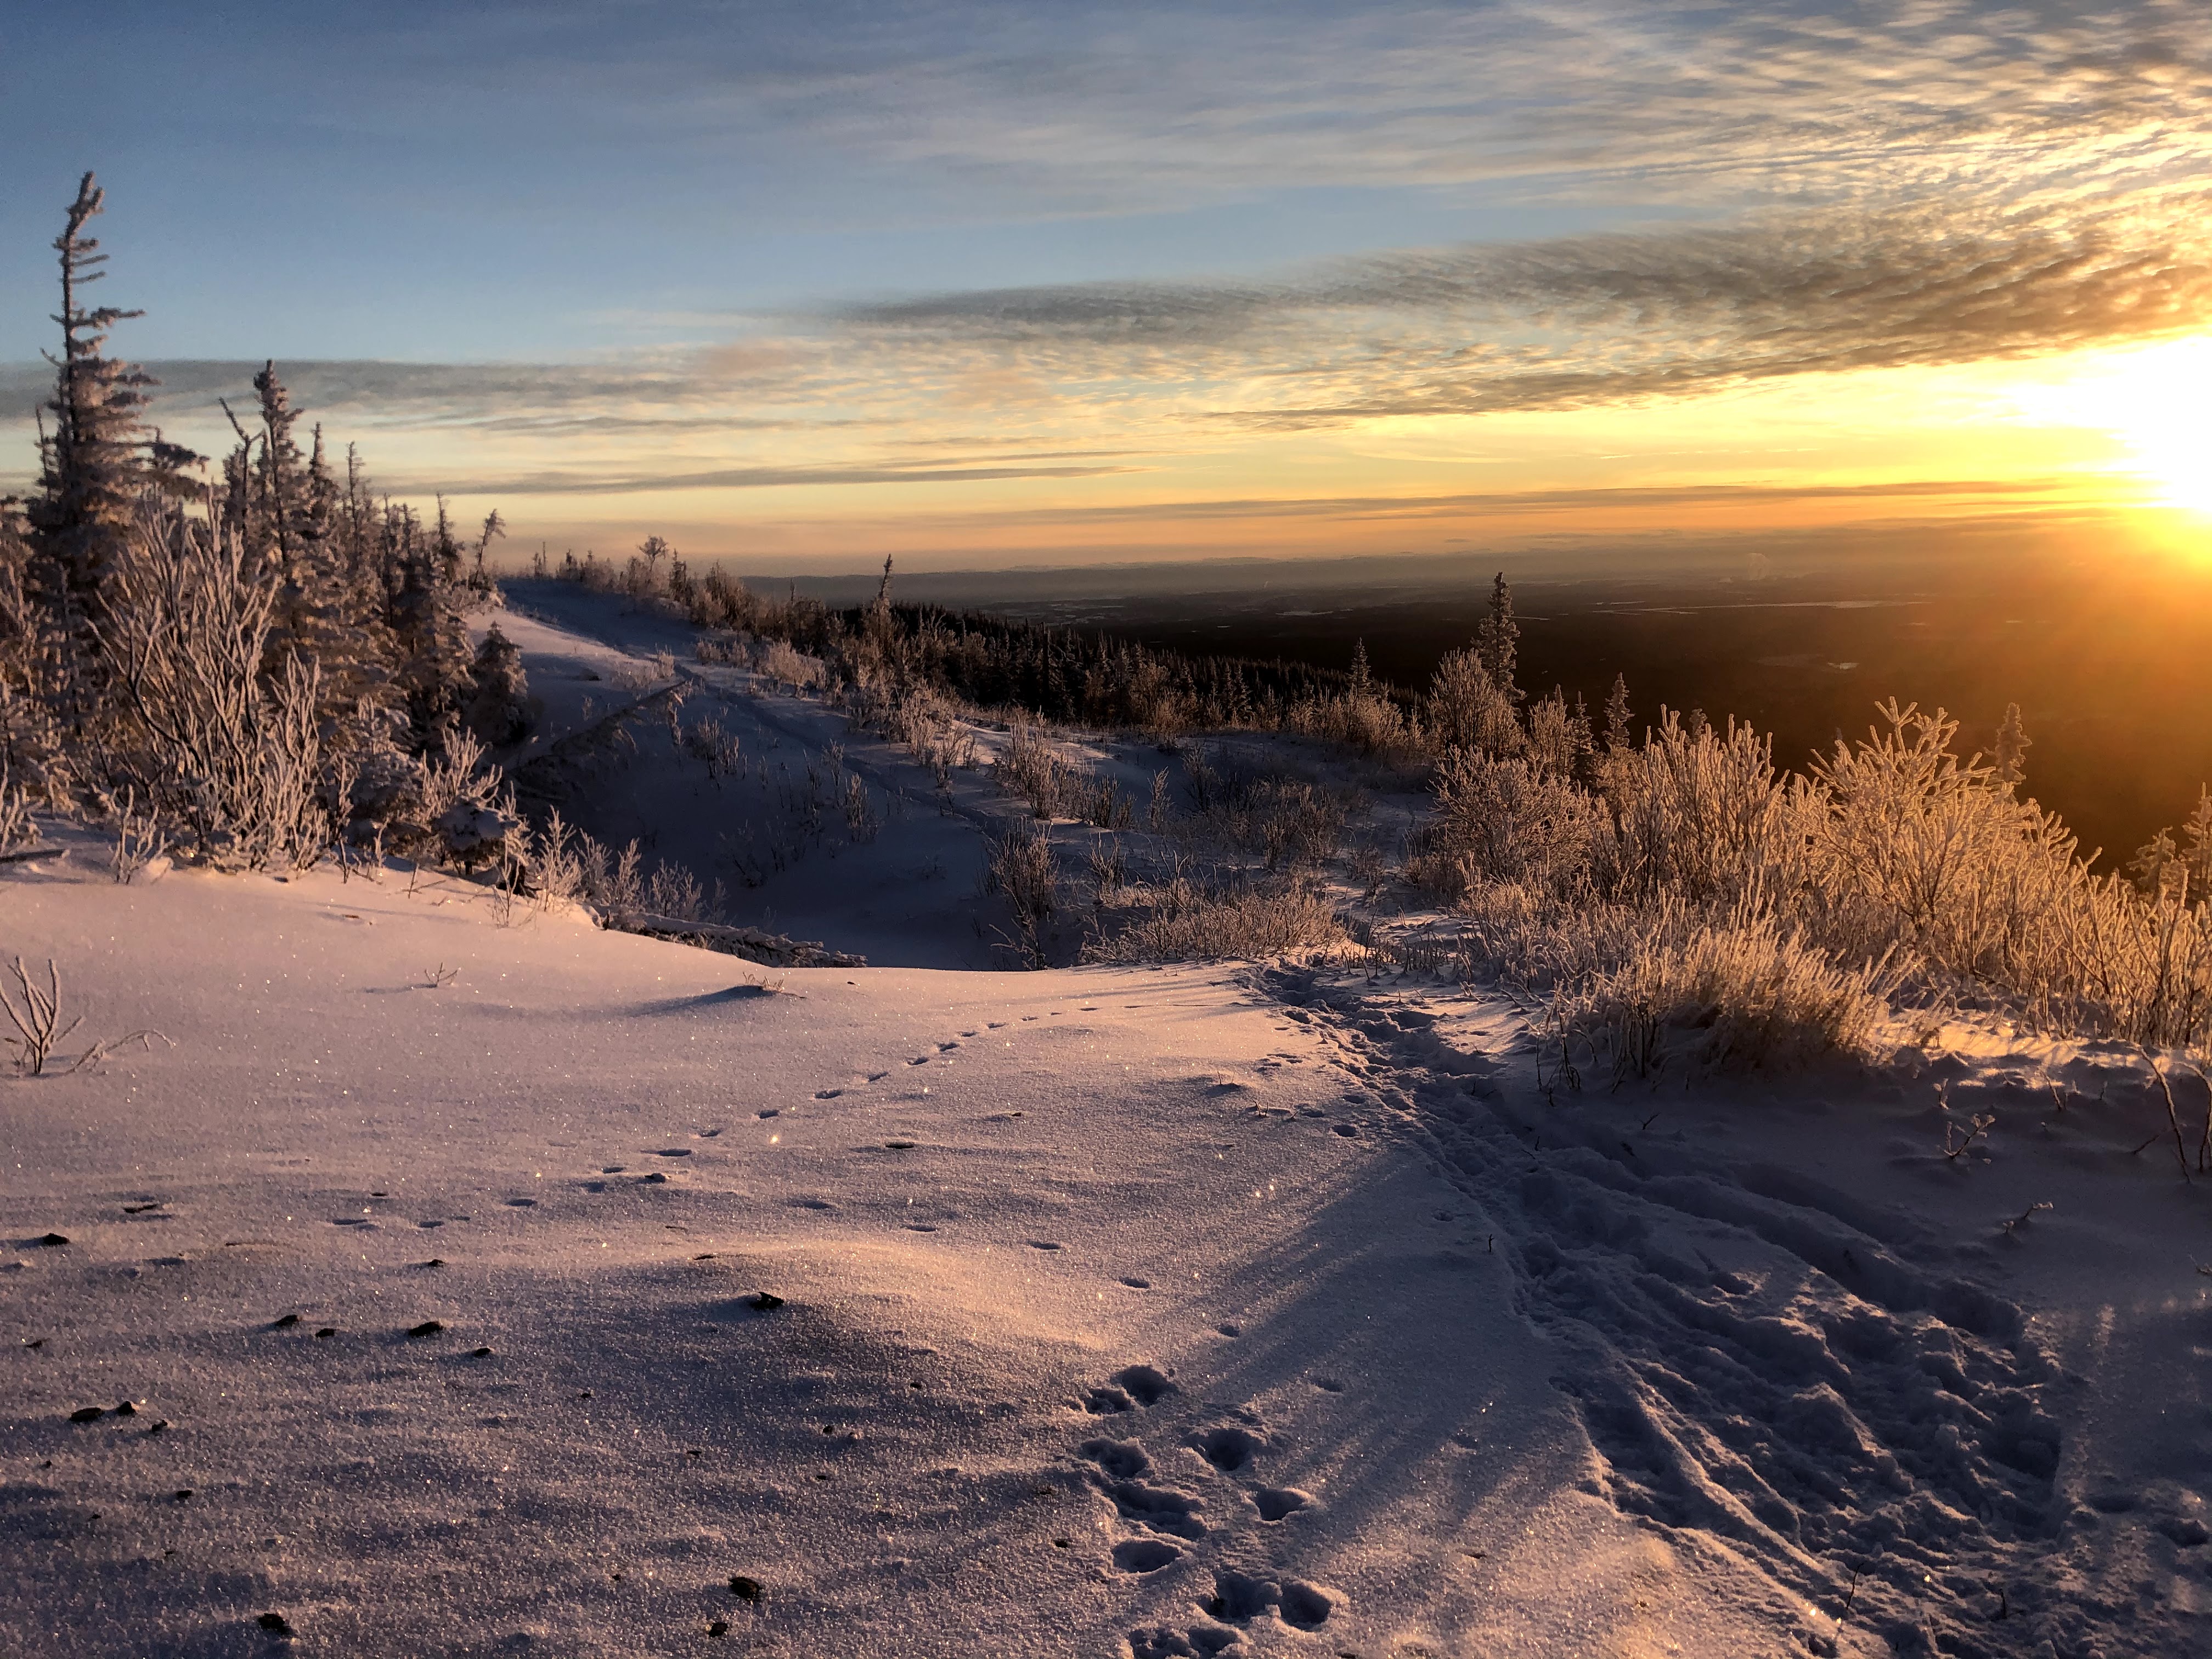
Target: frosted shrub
point(1186, 921)
point(928, 724)
point(1703, 815)
point(1506, 820)
point(16, 830)
point(1917, 845)
point(1022, 864)
point(549, 864)
point(1558, 738)
point(1032, 768)
point(1364, 721)
point(779, 663)
point(718, 750)
point(1540, 942)
point(229, 756)
point(1289, 821)
point(1742, 990)
point(1468, 709)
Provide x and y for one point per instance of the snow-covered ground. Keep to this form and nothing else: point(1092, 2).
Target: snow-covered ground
point(912, 1310)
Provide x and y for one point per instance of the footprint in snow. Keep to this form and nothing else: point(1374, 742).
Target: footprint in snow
point(1125, 1460)
point(812, 1204)
point(1273, 1502)
point(521, 1203)
point(1131, 1387)
point(1203, 1641)
point(1140, 1555)
point(1137, 1284)
point(1145, 1385)
point(1156, 1507)
point(1228, 1450)
point(673, 1151)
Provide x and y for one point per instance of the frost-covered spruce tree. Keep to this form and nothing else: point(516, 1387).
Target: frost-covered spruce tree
point(2197, 845)
point(499, 708)
point(480, 577)
point(432, 644)
point(1619, 731)
point(2011, 757)
point(289, 514)
point(93, 464)
point(1497, 641)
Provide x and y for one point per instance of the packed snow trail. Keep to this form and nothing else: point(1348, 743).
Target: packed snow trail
point(1759, 1358)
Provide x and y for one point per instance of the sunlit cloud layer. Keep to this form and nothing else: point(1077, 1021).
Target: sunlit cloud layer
point(1806, 195)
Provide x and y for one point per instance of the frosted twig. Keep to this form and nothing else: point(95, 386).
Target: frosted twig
point(100, 1051)
point(1976, 1129)
point(2173, 1115)
point(38, 1021)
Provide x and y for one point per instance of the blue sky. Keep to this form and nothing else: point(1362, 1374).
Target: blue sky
point(1200, 252)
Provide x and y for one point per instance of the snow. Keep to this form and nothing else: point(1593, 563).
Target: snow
point(1276, 1309)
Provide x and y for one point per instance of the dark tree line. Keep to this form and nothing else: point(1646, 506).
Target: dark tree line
point(1075, 675)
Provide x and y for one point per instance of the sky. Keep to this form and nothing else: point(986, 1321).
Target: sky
point(985, 284)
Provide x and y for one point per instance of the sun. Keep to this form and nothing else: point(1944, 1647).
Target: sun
point(2157, 402)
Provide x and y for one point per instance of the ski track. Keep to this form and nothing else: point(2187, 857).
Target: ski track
point(1753, 1358)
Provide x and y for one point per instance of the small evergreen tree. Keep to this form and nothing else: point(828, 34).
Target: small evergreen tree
point(1497, 641)
point(498, 707)
point(480, 573)
point(2012, 749)
point(2197, 845)
point(1619, 731)
point(2157, 866)
point(92, 465)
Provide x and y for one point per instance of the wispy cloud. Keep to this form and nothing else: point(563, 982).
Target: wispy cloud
point(736, 477)
point(1582, 320)
point(1078, 108)
point(1552, 325)
point(1798, 186)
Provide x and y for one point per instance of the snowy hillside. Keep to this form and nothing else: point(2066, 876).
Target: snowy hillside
point(477, 1280)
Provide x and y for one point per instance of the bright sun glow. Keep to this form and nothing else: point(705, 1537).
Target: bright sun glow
point(2158, 403)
